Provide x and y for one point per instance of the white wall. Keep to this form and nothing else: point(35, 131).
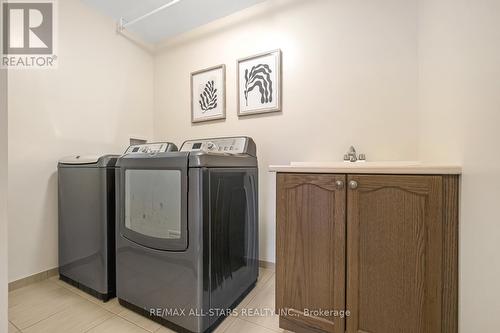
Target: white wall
point(349, 77)
point(459, 54)
point(3, 193)
point(100, 95)
point(3, 198)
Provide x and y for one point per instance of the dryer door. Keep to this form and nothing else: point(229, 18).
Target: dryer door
point(153, 201)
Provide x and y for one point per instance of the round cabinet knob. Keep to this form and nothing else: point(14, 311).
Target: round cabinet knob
point(353, 184)
point(339, 184)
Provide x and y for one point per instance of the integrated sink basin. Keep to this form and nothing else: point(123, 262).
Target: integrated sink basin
point(356, 164)
point(388, 167)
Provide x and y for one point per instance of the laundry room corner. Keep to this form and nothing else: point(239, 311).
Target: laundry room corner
point(100, 95)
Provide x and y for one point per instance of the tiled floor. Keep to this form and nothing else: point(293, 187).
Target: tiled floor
point(53, 306)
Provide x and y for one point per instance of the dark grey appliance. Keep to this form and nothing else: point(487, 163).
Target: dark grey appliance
point(187, 241)
point(87, 223)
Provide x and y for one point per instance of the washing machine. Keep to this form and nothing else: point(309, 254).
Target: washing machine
point(86, 197)
point(187, 234)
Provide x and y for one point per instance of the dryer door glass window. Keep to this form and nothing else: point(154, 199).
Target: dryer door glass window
point(153, 203)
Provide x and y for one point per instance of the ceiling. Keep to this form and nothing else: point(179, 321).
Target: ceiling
point(180, 17)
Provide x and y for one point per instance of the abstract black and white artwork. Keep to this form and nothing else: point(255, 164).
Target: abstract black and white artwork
point(208, 94)
point(259, 83)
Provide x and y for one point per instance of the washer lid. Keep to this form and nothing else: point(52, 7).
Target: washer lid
point(80, 159)
point(88, 160)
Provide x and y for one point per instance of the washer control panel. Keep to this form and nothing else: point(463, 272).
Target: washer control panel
point(223, 145)
point(151, 148)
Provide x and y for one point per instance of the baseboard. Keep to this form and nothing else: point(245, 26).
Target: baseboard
point(267, 264)
point(55, 271)
point(33, 279)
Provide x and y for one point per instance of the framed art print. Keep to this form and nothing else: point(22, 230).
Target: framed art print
point(259, 83)
point(208, 94)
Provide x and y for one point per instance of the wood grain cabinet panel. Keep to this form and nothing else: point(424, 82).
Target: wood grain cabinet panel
point(383, 247)
point(394, 246)
point(310, 271)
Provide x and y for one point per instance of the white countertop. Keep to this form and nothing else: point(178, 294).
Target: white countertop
point(402, 168)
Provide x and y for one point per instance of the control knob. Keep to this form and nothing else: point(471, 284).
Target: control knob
point(210, 146)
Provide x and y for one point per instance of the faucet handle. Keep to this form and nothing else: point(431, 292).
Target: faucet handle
point(352, 156)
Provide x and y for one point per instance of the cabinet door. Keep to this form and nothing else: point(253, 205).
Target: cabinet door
point(394, 254)
point(310, 274)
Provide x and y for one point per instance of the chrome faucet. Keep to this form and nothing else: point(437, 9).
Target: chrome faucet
point(352, 156)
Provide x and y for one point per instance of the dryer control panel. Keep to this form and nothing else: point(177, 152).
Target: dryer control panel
point(237, 145)
point(151, 148)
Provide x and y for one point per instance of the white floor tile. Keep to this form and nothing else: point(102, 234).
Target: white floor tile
point(34, 303)
point(12, 328)
point(261, 308)
point(55, 306)
point(139, 320)
point(117, 325)
point(163, 329)
point(225, 324)
point(265, 274)
point(111, 305)
point(78, 317)
point(242, 326)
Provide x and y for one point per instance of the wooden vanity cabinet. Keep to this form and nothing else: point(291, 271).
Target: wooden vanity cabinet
point(310, 265)
point(383, 247)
